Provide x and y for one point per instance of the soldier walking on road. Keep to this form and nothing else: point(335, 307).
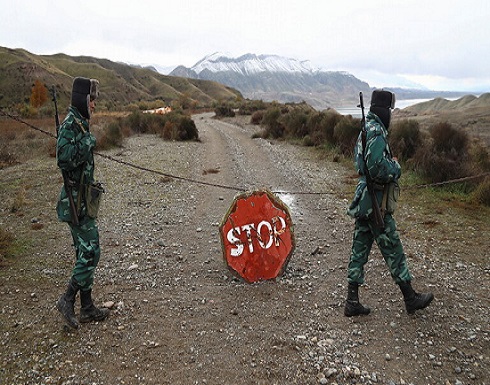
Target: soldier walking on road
point(79, 195)
point(374, 159)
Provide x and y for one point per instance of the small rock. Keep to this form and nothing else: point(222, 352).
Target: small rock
point(108, 304)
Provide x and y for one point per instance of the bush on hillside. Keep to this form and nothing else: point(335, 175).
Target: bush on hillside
point(248, 107)
point(405, 138)
point(224, 111)
point(112, 136)
point(6, 241)
point(345, 133)
point(481, 194)
point(171, 126)
point(185, 128)
point(445, 157)
point(449, 140)
point(257, 117)
point(295, 123)
point(480, 157)
point(321, 126)
point(273, 127)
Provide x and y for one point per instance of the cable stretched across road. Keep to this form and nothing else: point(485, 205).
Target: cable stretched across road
point(234, 188)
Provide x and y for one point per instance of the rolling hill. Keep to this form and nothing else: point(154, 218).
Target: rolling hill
point(121, 84)
point(440, 104)
point(470, 113)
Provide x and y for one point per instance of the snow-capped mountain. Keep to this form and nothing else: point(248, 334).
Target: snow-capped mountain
point(251, 64)
point(272, 77)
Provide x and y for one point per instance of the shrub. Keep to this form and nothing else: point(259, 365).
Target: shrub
point(295, 123)
point(6, 157)
point(27, 111)
point(273, 128)
point(405, 138)
point(448, 139)
point(307, 141)
point(321, 126)
point(445, 157)
point(111, 137)
point(257, 117)
point(481, 194)
point(169, 131)
point(171, 126)
point(437, 167)
point(186, 129)
point(346, 132)
point(248, 107)
point(134, 121)
point(224, 110)
point(6, 242)
point(480, 158)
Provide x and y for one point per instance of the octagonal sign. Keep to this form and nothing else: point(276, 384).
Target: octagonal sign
point(257, 236)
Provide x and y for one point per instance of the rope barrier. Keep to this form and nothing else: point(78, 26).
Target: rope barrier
point(169, 175)
point(239, 189)
point(458, 180)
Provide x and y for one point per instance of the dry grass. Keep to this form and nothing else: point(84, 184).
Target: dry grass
point(19, 142)
point(6, 242)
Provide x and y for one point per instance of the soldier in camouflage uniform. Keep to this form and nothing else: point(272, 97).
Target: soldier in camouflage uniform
point(74, 153)
point(383, 169)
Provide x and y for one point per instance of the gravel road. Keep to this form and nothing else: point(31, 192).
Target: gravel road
point(180, 317)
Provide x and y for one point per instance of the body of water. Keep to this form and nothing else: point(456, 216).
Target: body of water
point(356, 111)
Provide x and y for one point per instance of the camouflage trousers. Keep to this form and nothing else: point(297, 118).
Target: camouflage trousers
point(388, 241)
point(87, 249)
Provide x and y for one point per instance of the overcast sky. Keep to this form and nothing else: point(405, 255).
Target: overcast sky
point(440, 44)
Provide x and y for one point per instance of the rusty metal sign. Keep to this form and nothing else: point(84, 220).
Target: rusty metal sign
point(257, 236)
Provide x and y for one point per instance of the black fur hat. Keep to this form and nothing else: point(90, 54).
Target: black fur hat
point(83, 91)
point(382, 98)
point(381, 104)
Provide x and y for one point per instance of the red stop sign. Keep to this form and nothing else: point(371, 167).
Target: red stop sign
point(257, 236)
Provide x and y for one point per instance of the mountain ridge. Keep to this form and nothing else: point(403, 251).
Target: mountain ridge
point(273, 77)
point(121, 84)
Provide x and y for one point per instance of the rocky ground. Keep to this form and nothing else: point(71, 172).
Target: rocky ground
point(180, 317)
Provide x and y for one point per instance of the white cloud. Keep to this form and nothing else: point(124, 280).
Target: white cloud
point(433, 42)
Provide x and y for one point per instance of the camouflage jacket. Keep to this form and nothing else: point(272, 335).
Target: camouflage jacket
point(75, 158)
point(381, 166)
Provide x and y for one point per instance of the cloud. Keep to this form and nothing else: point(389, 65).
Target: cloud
point(416, 39)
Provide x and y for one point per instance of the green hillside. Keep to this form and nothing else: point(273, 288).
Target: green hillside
point(121, 84)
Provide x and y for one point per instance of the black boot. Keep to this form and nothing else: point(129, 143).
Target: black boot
point(413, 300)
point(89, 312)
point(352, 305)
point(66, 303)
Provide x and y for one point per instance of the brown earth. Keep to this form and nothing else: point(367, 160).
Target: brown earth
point(179, 315)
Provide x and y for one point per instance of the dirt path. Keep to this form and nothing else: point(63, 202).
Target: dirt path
point(181, 318)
